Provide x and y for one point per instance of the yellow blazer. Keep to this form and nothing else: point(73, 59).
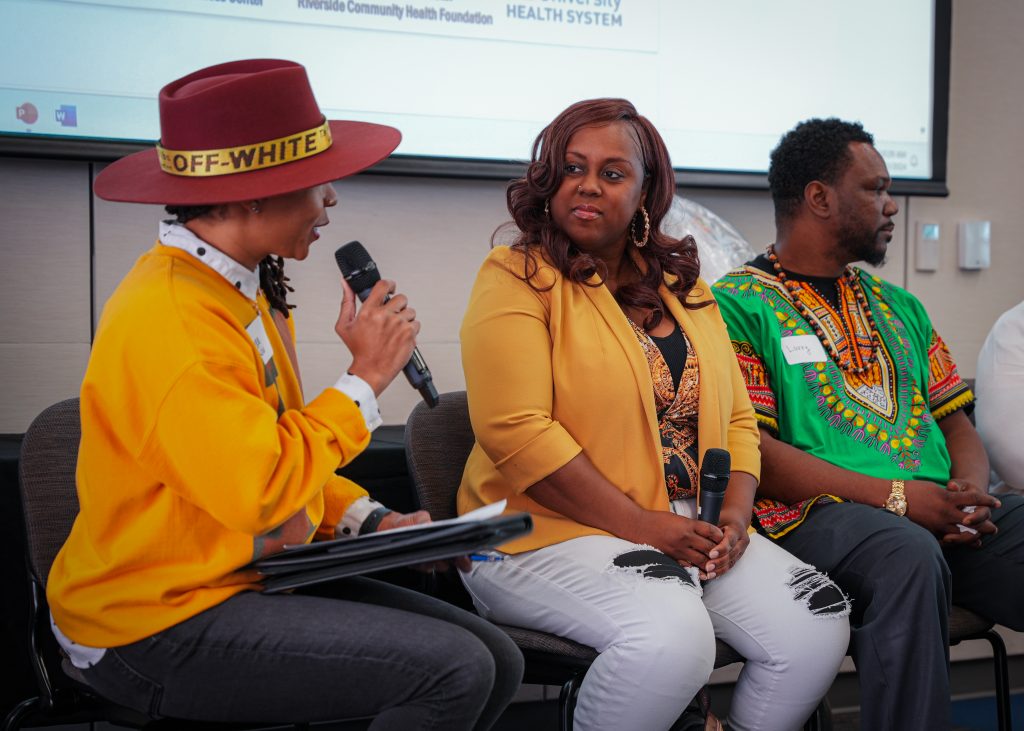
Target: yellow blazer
point(552, 373)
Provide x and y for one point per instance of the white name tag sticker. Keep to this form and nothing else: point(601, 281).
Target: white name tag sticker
point(803, 349)
point(259, 338)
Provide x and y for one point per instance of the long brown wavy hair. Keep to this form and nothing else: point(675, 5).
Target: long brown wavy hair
point(663, 254)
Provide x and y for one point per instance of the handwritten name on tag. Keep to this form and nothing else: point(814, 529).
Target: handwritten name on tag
point(259, 338)
point(802, 349)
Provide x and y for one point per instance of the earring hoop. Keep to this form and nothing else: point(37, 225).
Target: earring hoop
point(547, 208)
point(642, 242)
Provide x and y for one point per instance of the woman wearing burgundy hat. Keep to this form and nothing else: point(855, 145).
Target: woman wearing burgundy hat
point(199, 452)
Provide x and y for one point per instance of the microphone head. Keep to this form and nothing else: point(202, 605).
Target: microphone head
point(715, 470)
point(356, 265)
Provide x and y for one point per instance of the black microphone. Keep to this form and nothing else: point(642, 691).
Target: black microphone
point(714, 476)
point(360, 271)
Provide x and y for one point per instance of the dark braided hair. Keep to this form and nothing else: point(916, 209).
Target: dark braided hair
point(274, 284)
point(816, 149)
point(663, 254)
point(273, 281)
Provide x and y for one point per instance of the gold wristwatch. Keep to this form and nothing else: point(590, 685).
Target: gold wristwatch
point(897, 501)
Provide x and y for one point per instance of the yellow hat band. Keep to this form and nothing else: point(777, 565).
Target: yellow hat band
point(242, 159)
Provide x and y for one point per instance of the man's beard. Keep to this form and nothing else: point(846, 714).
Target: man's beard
point(861, 245)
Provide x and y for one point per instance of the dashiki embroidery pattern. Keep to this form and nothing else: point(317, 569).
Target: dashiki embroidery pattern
point(879, 422)
point(875, 390)
point(677, 415)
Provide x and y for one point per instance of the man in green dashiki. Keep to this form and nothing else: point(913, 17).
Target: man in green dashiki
point(871, 468)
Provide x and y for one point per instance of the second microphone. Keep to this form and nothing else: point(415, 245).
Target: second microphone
point(715, 470)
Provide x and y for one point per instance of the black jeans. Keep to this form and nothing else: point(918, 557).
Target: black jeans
point(902, 583)
point(411, 661)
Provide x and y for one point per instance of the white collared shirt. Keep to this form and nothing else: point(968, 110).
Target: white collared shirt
point(181, 237)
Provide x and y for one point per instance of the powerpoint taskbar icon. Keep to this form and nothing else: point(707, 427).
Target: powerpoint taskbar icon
point(27, 113)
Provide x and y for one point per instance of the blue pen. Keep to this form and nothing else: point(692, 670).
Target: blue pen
point(486, 557)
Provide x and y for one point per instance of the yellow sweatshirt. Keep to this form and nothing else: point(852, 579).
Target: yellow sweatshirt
point(197, 456)
point(552, 373)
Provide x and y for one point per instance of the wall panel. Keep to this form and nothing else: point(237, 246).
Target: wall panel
point(44, 240)
point(123, 232)
point(44, 290)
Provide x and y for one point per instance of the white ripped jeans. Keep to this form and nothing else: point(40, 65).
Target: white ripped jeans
point(655, 630)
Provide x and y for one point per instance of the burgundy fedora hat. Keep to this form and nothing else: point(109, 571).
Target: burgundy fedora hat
point(240, 130)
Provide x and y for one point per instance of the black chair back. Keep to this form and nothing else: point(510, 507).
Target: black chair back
point(437, 444)
point(49, 455)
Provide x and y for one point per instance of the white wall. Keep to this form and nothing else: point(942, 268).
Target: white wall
point(431, 234)
point(986, 168)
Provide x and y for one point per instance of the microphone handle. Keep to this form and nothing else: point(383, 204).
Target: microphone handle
point(416, 371)
point(710, 505)
point(419, 377)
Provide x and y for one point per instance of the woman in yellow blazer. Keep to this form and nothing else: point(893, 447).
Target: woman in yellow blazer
point(599, 371)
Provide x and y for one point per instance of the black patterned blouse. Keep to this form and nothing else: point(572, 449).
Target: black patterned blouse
point(676, 398)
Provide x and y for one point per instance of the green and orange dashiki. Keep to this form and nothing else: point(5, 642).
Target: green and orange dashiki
point(881, 423)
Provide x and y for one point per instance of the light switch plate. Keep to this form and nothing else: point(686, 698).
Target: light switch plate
point(926, 249)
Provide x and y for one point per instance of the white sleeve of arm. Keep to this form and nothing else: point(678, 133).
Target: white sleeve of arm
point(359, 391)
point(1000, 390)
point(352, 521)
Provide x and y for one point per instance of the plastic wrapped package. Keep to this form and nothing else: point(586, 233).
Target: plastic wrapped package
point(719, 245)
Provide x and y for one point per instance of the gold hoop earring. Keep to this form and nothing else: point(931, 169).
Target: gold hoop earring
point(547, 208)
point(647, 229)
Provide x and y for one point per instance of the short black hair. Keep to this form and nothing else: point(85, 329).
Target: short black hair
point(816, 149)
point(184, 214)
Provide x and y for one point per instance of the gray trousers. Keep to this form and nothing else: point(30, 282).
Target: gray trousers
point(902, 583)
point(411, 661)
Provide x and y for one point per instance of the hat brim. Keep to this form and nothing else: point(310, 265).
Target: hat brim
point(138, 178)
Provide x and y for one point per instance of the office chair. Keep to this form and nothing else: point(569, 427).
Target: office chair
point(49, 455)
point(437, 444)
point(966, 625)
